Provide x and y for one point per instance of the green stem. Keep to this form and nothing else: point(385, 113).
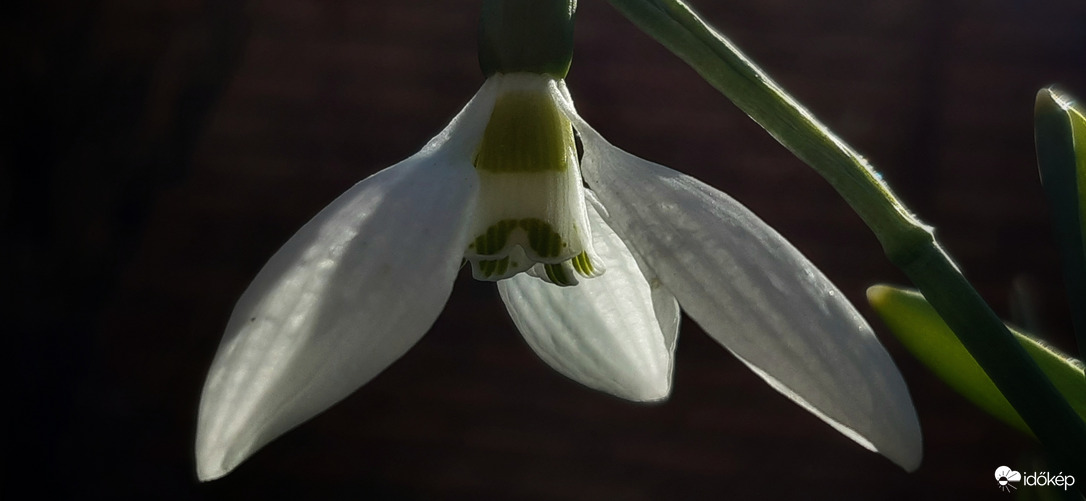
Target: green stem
point(908, 243)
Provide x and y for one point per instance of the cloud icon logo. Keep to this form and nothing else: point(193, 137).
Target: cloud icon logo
point(1005, 475)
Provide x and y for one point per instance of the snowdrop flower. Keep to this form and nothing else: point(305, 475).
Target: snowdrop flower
point(592, 277)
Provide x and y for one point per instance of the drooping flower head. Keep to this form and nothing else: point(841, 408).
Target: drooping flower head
point(593, 277)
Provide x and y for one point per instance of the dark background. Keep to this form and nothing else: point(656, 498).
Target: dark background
point(156, 152)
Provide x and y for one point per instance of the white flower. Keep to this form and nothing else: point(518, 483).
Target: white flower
point(358, 285)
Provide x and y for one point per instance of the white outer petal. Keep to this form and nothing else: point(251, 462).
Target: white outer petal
point(604, 332)
point(346, 296)
point(753, 292)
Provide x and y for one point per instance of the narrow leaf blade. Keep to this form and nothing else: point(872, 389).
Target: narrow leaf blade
point(1060, 130)
point(929, 339)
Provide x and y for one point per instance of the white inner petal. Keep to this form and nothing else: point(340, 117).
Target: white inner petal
point(531, 205)
point(613, 333)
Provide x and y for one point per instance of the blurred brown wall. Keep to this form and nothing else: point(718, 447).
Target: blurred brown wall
point(157, 152)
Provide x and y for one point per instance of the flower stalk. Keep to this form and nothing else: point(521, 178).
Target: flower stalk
point(907, 242)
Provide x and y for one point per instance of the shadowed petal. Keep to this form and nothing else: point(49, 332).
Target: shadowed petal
point(604, 332)
point(753, 292)
point(347, 295)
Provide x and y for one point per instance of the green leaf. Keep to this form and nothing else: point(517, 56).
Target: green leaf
point(1060, 130)
point(928, 338)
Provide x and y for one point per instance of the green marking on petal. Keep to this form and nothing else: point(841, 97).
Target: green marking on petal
point(583, 264)
point(492, 267)
point(493, 240)
point(542, 238)
point(526, 133)
point(557, 274)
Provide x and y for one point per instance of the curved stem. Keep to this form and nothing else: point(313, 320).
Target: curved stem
point(907, 242)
